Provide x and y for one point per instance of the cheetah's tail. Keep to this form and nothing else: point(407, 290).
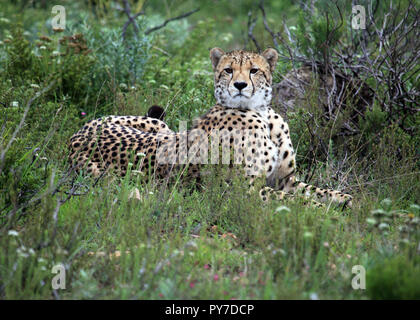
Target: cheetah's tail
point(324, 195)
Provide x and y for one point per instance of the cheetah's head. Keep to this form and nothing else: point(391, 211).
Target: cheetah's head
point(243, 79)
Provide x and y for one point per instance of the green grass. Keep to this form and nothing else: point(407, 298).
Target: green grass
point(178, 241)
point(215, 243)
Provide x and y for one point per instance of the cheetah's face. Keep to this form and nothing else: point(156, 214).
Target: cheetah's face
point(243, 79)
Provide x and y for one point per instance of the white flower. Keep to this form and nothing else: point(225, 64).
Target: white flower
point(282, 208)
point(62, 251)
point(13, 233)
point(42, 48)
point(35, 86)
point(383, 226)
point(307, 235)
point(314, 296)
point(21, 252)
point(141, 154)
point(55, 53)
point(278, 251)
point(15, 104)
point(191, 245)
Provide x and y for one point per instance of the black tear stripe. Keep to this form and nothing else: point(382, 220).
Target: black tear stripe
point(220, 75)
point(229, 86)
point(253, 86)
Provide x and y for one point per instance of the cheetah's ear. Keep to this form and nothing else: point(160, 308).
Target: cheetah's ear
point(156, 112)
point(215, 55)
point(271, 55)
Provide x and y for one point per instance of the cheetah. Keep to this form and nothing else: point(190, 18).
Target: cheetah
point(256, 138)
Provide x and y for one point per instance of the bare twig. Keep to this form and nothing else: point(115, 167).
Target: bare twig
point(131, 19)
point(182, 16)
point(251, 26)
point(273, 35)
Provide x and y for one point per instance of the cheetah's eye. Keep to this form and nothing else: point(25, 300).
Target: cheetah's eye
point(253, 70)
point(228, 70)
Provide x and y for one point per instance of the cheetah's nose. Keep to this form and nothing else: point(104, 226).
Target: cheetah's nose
point(240, 85)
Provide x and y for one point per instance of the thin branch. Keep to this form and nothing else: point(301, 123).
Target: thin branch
point(182, 16)
point(273, 35)
point(251, 26)
point(131, 19)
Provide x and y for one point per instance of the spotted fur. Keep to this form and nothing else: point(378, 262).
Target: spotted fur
point(241, 120)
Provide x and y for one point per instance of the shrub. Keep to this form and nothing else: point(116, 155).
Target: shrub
point(394, 278)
